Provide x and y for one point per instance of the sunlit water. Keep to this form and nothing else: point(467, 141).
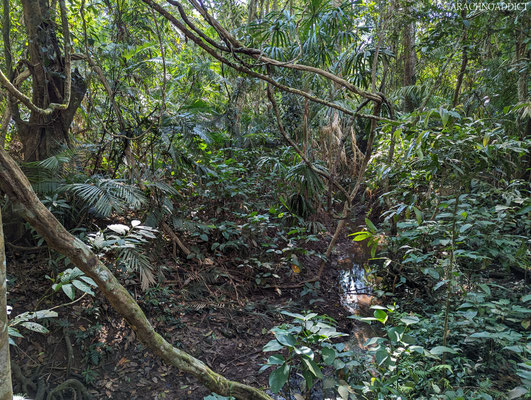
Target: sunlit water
point(356, 292)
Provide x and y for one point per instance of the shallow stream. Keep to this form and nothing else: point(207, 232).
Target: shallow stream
point(355, 290)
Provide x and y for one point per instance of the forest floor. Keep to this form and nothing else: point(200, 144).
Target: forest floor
point(226, 329)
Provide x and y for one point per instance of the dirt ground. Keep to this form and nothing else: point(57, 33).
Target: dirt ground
point(226, 329)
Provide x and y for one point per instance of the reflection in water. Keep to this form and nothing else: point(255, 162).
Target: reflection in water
point(356, 291)
point(357, 298)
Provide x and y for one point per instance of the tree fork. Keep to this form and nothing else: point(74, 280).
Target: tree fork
point(16, 186)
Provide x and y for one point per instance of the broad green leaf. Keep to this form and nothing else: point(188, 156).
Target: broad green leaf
point(69, 291)
point(272, 345)
point(438, 350)
point(276, 359)
point(381, 316)
point(484, 334)
point(343, 392)
point(329, 355)
point(517, 392)
point(381, 356)
point(516, 349)
point(14, 332)
point(465, 227)
point(294, 315)
point(309, 377)
point(372, 341)
point(313, 367)
point(304, 350)
point(410, 319)
point(370, 225)
point(485, 288)
point(286, 339)
point(418, 349)
point(83, 287)
point(278, 378)
point(418, 215)
point(360, 236)
point(89, 280)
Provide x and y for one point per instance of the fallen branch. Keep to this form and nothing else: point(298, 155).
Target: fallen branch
point(175, 239)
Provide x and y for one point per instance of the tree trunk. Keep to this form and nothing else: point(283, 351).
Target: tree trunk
point(251, 11)
point(6, 391)
point(522, 58)
point(234, 108)
point(410, 59)
point(16, 186)
point(464, 62)
point(43, 135)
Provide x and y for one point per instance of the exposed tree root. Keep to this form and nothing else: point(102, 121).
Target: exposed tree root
point(26, 384)
point(76, 388)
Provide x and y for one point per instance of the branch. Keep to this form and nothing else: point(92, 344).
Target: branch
point(246, 70)
point(16, 186)
point(12, 89)
point(258, 55)
point(271, 97)
point(8, 113)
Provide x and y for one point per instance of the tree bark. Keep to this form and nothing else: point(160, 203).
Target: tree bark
point(522, 57)
point(44, 134)
point(6, 390)
point(464, 62)
point(14, 183)
point(410, 59)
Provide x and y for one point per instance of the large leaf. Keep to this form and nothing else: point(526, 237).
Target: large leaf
point(286, 339)
point(438, 350)
point(83, 287)
point(313, 367)
point(272, 345)
point(33, 326)
point(329, 355)
point(278, 378)
point(69, 291)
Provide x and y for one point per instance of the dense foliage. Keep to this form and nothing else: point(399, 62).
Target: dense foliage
point(234, 144)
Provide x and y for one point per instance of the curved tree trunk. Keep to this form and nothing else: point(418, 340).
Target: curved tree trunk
point(14, 183)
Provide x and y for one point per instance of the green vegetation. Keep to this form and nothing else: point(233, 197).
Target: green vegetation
point(185, 180)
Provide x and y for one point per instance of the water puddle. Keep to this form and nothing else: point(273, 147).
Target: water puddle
point(356, 292)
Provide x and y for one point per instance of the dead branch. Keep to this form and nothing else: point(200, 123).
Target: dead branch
point(175, 239)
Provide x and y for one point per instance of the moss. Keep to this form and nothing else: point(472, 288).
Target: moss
point(86, 254)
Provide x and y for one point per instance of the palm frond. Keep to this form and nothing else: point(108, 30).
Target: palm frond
point(107, 195)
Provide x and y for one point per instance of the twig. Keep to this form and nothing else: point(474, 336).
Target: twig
point(68, 304)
